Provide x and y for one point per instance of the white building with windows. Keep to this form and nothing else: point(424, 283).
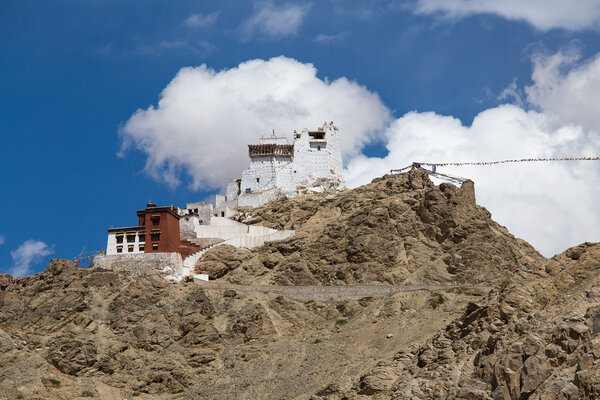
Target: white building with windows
point(130, 240)
point(313, 163)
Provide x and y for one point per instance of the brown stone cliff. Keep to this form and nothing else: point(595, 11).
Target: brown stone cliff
point(70, 333)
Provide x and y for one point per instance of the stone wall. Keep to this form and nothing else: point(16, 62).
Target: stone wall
point(137, 264)
point(238, 234)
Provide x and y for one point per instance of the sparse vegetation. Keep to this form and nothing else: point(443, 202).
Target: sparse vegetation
point(54, 382)
point(364, 301)
point(341, 308)
point(436, 300)
point(341, 321)
point(87, 393)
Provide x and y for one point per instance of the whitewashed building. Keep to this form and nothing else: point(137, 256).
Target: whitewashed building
point(131, 240)
point(279, 169)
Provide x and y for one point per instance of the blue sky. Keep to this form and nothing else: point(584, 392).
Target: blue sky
point(419, 74)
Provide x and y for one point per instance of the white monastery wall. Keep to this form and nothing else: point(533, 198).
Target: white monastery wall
point(266, 173)
point(249, 200)
point(233, 189)
point(187, 226)
point(111, 244)
point(202, 209)
point(239, 234)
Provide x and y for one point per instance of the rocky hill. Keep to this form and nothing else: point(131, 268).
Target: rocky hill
point(396, 290)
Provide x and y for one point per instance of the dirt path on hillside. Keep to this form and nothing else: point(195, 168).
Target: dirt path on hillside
point(324, 293)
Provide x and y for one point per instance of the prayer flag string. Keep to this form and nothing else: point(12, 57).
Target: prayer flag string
point(459, 164)
point(512, 161)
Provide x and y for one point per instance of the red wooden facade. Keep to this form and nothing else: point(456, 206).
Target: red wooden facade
point(162, 228)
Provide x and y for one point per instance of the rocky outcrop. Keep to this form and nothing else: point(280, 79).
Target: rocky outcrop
point(536, 338)
point(385, 232)
point(69, 332)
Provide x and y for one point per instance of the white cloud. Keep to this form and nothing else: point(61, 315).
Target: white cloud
point(513, 92)
point(2, 239)
point(322, 38)
point(201, 20)
point(27, 254)
point(544, 15)
point(274, 21)
point(566, 89)
point(205, 119)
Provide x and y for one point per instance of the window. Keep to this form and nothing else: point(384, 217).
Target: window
point(257, 180)
point(142, 237)
point(130, 237)
point(119, 237)
point(119, 249)
point(141, 247)
point(222, 213)
point(155, 220)
point(155, 236)
point(318, 147)
point(154, 246)
point(130, 248)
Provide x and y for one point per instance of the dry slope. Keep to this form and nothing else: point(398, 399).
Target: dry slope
point(384, 232)
point(75, 333)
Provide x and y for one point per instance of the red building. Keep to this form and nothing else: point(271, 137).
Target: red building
point(162, 228)
point(158, 232)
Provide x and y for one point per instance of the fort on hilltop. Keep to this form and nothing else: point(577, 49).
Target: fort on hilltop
point(172, 239)
point(312, 164)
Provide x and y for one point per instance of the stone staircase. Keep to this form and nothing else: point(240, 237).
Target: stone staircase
point(205, 244)
point(223, 230)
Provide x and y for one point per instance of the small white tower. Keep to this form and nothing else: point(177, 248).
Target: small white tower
point(317, 154)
